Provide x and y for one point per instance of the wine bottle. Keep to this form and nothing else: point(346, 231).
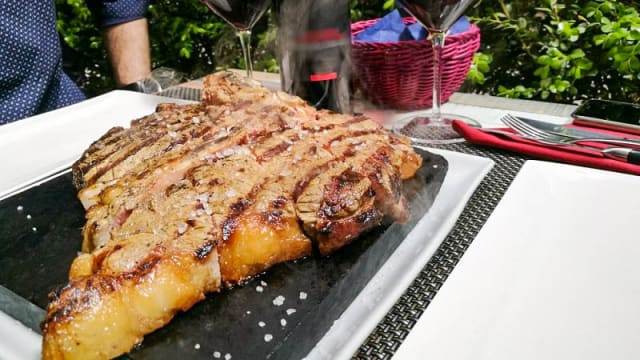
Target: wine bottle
point(314, 51)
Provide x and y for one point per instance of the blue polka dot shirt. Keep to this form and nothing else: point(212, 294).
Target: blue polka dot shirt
point(31, 76)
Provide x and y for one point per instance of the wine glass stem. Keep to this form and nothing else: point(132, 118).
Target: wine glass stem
point(437, 43)
point(245, 42)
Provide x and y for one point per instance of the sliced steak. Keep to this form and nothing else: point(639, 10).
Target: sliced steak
point(196, 197)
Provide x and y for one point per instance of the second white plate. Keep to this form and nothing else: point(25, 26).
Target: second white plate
point(552, 275)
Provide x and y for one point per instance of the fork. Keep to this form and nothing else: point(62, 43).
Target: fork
point(523, 128)
point(527, 131)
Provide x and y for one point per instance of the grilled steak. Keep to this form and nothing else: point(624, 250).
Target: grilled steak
point(196, 197)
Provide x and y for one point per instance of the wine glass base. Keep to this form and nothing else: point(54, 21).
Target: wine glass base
point(424, 131)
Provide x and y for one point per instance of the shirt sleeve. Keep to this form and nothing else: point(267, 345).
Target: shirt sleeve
point(112, 12)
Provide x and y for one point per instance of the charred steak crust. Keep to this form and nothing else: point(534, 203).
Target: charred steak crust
point(196, 197)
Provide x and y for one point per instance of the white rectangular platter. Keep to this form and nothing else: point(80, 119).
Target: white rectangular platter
point(53, 141)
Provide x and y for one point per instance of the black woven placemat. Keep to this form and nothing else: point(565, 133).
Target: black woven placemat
point(383, 342)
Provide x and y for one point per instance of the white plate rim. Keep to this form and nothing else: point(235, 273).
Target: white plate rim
point(394, 277)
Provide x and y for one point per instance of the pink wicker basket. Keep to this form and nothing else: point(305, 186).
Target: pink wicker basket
point(399, 75)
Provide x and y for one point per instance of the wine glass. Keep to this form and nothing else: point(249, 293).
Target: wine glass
point(436, 16)
point(242, 15)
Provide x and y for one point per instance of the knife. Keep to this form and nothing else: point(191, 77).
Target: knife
point(581, 134)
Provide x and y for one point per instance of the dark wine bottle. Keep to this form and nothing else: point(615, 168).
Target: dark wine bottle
point(314, 51)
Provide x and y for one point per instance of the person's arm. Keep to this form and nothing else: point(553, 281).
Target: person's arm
point(126, 37)
point(128, 49)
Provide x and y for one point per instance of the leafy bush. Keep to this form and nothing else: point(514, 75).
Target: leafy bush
point(550, 50)
point(185, 36)
point(560, 51)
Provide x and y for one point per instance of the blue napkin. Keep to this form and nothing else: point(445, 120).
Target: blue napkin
point(390, 28)
point(460, 26)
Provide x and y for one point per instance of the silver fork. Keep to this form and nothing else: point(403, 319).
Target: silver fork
point(525, 129)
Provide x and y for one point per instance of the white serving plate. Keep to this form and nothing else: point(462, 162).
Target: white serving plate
point(35, 148)
point(17, 342)
point(53, 141)
point(392, 279)
point(553, 274)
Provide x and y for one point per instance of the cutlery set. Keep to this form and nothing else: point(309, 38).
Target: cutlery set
point(618, 148)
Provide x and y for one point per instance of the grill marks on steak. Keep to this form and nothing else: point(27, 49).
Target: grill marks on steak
point(228, 130)
point(195, 197)
point(110, 151)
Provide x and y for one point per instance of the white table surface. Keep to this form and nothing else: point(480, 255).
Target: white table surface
point(553, 274)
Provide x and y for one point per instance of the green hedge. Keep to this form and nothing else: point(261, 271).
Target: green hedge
point(560, 51)
point(556, 51)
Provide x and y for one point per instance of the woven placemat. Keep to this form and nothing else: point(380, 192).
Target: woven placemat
point(180, 92)
point(383, 342)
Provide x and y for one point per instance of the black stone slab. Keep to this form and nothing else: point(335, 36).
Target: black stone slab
point(33, 262)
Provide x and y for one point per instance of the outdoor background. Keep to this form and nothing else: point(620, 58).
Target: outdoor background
point(561, 51)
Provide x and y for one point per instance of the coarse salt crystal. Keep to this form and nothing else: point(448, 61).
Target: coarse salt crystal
point(203, 198)
point(279, 300)
point(28, 217)
point(228, 152)
point(303, 295)
point(227, 356)
point(196, 346)
point(283, 322)
point(259, 288)
point(216, 354)
point(20, 208)
point(268, 337)
point(291, 311)
point(230, 193)
point(263, 283)
point(261, 323)
point(196, 120)
point(248, 312)
point(173, 134)
point(182, 228)
point(34, 229)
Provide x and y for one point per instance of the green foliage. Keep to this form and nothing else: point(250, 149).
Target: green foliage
point(85, 59)
point(552, 50)
point(479, 67)
point(561, 51)
point(185, 36)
